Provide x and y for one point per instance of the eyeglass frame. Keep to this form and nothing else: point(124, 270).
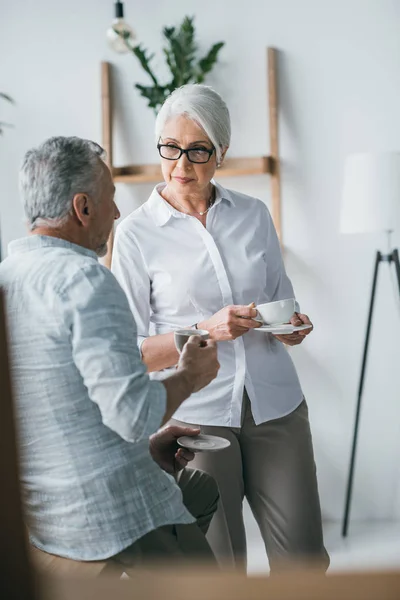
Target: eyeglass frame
point(186, 151)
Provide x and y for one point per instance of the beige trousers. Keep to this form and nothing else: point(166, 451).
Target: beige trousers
point(272, 465)
point(177, 544)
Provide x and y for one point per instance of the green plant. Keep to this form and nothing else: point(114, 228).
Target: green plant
point(9, 99)
point(181, 57)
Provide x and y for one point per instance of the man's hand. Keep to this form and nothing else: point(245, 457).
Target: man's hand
point(294, 339)
point(166, 452)
point(199, 362)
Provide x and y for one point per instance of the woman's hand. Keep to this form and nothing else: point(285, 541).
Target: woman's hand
point(294, 339)
point(231, 322)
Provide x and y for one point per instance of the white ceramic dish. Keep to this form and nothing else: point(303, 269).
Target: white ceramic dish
point(285, 329)
point(203, 443)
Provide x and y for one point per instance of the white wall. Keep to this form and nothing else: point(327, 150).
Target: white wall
point(339, 71)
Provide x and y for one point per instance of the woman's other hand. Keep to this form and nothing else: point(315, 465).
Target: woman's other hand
point(296, 338)
point(231, 322)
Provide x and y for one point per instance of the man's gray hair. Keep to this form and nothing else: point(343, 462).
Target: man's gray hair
point(53, 173)
point(203, 105)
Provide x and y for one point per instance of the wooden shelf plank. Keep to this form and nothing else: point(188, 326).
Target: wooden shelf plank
point(232, 167)
point(137, 174)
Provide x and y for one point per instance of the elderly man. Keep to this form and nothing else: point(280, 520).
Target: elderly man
point(85, 404)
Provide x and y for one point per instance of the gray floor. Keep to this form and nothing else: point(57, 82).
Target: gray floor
point(372, 545)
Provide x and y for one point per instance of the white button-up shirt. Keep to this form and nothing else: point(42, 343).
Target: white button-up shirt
point(177, 272)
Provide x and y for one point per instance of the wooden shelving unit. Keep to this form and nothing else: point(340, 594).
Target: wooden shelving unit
point(231, 167)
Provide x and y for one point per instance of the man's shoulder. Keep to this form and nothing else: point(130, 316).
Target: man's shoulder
point(64, 266)
point(52, 268)
point(89, 273)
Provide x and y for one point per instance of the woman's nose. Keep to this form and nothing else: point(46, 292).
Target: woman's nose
point(183, 161)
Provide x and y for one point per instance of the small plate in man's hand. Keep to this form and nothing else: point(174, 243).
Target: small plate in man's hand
point(203, 443)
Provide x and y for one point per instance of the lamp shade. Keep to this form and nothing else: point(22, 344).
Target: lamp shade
point(371, 193)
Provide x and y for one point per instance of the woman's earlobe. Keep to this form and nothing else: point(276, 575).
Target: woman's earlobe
point(223, 153)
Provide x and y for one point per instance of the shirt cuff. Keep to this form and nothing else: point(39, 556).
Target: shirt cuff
point(140, 340)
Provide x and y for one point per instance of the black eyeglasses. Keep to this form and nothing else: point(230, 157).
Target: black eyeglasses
point(194, 155)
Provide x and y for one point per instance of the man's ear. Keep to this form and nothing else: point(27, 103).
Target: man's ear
point(83, 208)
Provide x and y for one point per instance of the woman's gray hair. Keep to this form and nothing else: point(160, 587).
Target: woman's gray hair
point(53, 173)
point(203, 105)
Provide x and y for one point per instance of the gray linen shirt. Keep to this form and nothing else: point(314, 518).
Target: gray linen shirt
point(85, 405)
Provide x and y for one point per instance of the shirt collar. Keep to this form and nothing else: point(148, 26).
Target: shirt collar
point(33, 242)
point(162, 212)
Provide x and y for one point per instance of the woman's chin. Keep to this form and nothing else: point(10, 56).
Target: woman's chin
point(181, 188)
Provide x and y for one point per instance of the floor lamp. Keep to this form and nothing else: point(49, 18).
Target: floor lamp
point(371, 202)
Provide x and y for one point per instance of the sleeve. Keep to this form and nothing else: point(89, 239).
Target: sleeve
point(279, 285)
point(131, 272)
point(104, 350)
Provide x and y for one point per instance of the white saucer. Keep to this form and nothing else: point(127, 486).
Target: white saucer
point(203, 443)
point(284, 329)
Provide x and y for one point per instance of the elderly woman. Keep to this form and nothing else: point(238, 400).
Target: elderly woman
point(196, 254)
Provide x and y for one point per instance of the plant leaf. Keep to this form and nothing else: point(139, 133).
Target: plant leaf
point(2, 124)
point(7, 97)
point(144, 59)
point(155, 95)
point(125, 34)
point(206, 64)
point(168, 32)
point(181, 52)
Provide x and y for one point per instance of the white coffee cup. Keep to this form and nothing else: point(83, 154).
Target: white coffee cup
point(276, 313)
point(181, 336)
